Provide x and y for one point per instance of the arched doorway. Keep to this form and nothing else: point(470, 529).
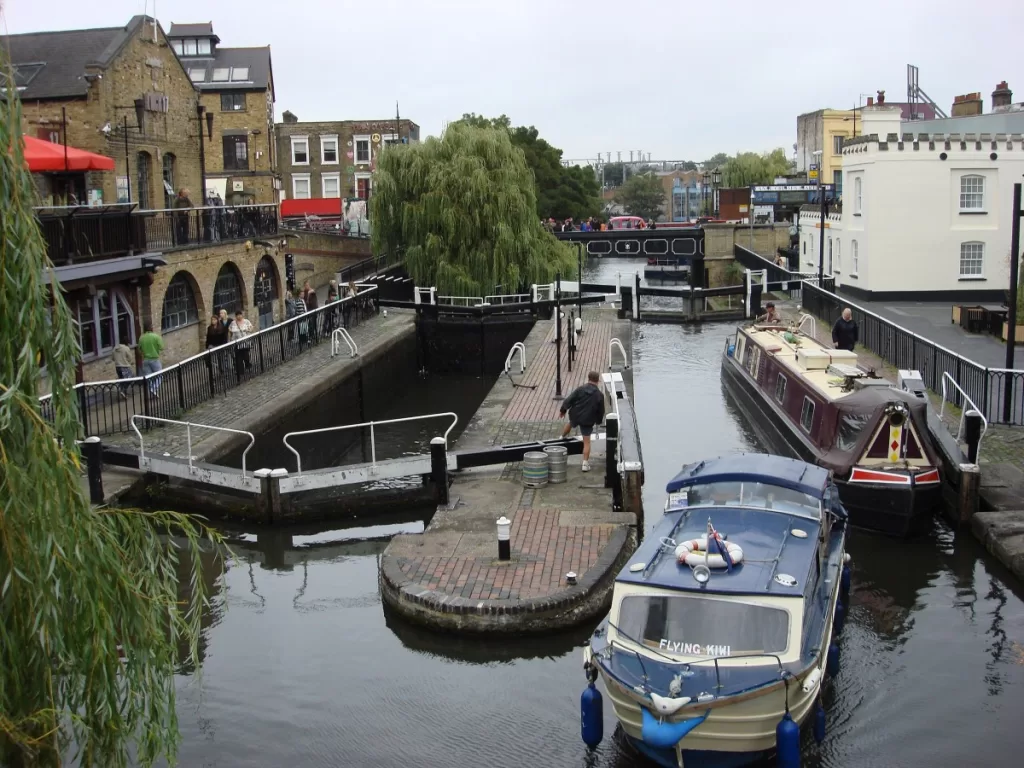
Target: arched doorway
point(143, 161)
point(169, 189)
point(227, 291)
point(180, 308)
point(265, 290)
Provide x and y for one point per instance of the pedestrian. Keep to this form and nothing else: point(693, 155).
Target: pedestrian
point(332, 291)
point(771, 315)
point(124, 364)
point(151, 345)
point(216, 336)
point(182, 204)
point(844, 332)
point(240, 328)
point(585, 406)
point(289, 313)
point(303, 325)
point(312, 303)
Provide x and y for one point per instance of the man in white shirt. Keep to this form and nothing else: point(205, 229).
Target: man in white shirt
point(240, 328)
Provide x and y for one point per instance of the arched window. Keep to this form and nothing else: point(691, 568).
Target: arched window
point(265, 288)
point(144, 170)
point(227, 291)
point(169, 191)
point(179, 304)
point(104, 320)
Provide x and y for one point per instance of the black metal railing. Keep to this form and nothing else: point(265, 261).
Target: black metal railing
point(368, 267)
point(998, 392)
point(80, 233)
point(107, 407)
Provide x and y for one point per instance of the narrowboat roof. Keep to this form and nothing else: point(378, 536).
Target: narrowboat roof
point(769, 549)
point(756, 468)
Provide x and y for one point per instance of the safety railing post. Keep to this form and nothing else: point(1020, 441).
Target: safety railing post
point(439, 469)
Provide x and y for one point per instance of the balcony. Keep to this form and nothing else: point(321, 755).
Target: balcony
point(81, 234)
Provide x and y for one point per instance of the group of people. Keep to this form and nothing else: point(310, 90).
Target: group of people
point(845, 332)
point(224, 329)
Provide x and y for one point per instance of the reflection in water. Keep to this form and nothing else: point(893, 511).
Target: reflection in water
point(306, 668)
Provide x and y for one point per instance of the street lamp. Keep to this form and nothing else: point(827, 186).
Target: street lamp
point(704, 177)
point(716, 181)
point(824, 214)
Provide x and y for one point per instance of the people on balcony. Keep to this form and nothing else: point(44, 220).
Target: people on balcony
point(182, 205)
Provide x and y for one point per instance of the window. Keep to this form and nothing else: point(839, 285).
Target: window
point(236, 153)
point(169, 190)
point(839, 256)
point(362, 145)
point(805, 247)
point(221, 74)
point(239, 74)
point(329, 150)
point(837, 145)
point(754, 361)
point(179, 304)
point(837, 182)
point(854, 257)
point(972, 257)
point(232, 102)
point(300, 186)
point(190, 47)
point(851, 426)
point(203, 46)
point(780, 388)
point(364, 186)
point(807, 414)
point(142, 188)
point(227, 291)
point(104, 321)
point(858, 196)
point(388, 139)
point(972, 193)
point(331, 185)
point(300, 150)
point(830, 264)
point(178, 47)
point(197, 75)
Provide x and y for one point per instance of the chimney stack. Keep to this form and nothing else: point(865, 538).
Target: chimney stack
point(1002, 96)
point(289, 117)
point(871, 101)
point(967, 105)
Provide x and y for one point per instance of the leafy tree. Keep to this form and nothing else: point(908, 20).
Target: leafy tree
point(613, 173)
point(561, 192)
point(77, 584)
point(752, 168)
point(464, 210)
point(642, 195)
point(686, 165)
point(716, 160)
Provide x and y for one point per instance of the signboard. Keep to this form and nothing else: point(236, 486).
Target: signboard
point(812, 174)
point(122, 189)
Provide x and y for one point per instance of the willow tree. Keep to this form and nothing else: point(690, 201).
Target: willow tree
point(90, 620)
point(463, 209)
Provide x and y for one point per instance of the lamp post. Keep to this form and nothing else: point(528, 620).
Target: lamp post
point(716, 181)
point(1011, 314)
point(200, 110)
point(704, 194)
point(824, 213)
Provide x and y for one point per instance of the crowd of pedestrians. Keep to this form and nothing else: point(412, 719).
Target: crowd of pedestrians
point(594, 224)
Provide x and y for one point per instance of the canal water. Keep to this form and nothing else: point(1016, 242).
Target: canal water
point(304, 667)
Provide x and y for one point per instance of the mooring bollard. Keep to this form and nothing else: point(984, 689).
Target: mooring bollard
point(439, 469)
point(264, 500)
point(972, 435)
point(504, 544)
point(92, 450)
point(611, 469)
point(967, 498)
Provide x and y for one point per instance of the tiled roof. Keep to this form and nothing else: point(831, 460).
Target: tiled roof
point(191, 30)
point(257, 60)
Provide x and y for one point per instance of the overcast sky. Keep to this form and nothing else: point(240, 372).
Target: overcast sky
point(681, 80)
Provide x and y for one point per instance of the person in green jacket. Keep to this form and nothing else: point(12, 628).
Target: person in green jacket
point(151, 345)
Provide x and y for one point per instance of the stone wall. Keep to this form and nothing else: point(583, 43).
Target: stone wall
point(256, 122)
point(316, 254)
point(719, 239)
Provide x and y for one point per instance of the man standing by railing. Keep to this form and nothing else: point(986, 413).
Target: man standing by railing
point(151, 345)
point(845, 332)
point(182, 204)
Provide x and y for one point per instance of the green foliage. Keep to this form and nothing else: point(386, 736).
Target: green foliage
point(613, 173)
point(77, 583)
point(464, 210)
point(642, 195)
point(561, 192)
point(752, 168)
point(717, 160)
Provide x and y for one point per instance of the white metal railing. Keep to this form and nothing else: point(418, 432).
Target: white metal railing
point(804, 317)
point(373, 439)
point(188, 435)
point(545, 292)
point(521, 349)
point(461, 301)
point(424, 295)
point(508, 298)
point(963, 411)
point(614, 344)
point(339, 335)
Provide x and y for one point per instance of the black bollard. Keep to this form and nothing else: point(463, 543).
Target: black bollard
point(504, 540)
point(558, 336)
point(439, 469)
point(972, 435)
point(611, 469)
point(92, 451)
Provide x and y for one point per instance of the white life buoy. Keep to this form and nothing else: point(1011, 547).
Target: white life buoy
point(695, 552)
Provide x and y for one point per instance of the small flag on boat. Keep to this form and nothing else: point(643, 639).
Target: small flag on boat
point(716, 541)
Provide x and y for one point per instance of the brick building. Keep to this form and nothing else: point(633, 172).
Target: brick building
point(236, 87)
point(335, 158)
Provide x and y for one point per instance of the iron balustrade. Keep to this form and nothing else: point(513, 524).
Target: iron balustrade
point(998, 391)
point(107, 407)
point(190, 227)
point(188, 436)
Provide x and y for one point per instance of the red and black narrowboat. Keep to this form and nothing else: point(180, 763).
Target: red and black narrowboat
point(815, 403)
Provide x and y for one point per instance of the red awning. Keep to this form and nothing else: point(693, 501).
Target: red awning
point(315, 206)
point(41, 156)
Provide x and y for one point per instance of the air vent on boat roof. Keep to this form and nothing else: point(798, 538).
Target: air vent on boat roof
point(785, 580)
point(846, 371)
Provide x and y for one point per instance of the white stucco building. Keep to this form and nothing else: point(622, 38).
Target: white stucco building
point(925, 215)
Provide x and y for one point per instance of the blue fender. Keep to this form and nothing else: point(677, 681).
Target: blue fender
point(663, 734)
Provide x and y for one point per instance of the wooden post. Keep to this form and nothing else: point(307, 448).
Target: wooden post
point(970, 486)
point(92, 450)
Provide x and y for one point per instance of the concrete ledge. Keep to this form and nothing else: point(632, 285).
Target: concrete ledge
point(1002, 533)
point(588, 599)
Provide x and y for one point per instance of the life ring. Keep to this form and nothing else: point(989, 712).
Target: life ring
point(695, 552)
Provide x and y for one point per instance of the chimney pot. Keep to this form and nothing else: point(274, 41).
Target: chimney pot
point(1002, 96)
point(871, 101)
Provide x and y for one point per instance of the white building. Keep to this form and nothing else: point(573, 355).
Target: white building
point(924, 216)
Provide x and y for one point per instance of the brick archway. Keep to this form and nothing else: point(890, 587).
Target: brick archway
point(229, 290)
point(181, 289)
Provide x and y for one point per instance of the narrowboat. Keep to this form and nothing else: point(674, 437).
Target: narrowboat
point(722, 625)
point(817, 404)
point(674, 269)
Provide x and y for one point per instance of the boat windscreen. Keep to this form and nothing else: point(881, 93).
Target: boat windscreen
point(851, 426)
point(747, 494)
point(703, 627)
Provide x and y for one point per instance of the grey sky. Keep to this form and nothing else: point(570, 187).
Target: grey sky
point(681, 80)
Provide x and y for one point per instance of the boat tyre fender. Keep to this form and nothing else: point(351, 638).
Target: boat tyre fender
point(695, 552)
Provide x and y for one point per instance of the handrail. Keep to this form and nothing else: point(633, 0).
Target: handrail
point(804, 317)
point(337, 336)
point(371, 425)
point(963, 411)
point(612, 345)
point(546, 288)
point(188, 435)
point(469, 301)
point(521, 348)
point(507, 298)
